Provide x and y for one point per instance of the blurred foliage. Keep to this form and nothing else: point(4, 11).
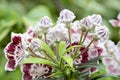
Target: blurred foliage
point(17, 15)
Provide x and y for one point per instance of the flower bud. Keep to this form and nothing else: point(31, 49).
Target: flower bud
point(96, 19)
point(44, 24)
point(86, 23)
point(66, 16)
point(60, 32)
point(102, 32)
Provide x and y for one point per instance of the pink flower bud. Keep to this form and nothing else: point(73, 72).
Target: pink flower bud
point(86, 23)
point(102, 32)
point(60, 32)
point(44, 24)
point(96, 19)
point(66, 16)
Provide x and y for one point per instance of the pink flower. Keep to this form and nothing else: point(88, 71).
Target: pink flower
point(35, 71)
point(14, 52)
point(114, 22)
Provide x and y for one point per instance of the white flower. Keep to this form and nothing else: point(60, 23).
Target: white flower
point(66, 16)
point(96, 19)
point(102, 32)
point(44, 24)
point(112, 66)
point(60, 32)
point(112, 61)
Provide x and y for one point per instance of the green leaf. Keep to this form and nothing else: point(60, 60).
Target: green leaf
point(56, 74)
point(90, 65)
point(103, 75)
point(84, 74)
point(95, 59)
point(48, 50)
point(69, 60)
point(71, 47)
point(62, 48)
point(38, 60)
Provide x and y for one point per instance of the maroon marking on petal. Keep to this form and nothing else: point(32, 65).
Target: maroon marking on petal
point(26, 68)
point(84, 55)
point(92, 69)
point(10, 65)
point(10, 48)
point(9, 57)
point(100, 50)
point(35, 35)
point(30, 31)
point(27, 76)
point(16, 39)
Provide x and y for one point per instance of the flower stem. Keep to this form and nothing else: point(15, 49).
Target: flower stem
point(45, 37)
point(87, 47)
point(34, 53)
point(90, 43)
point(85, 37)
point(56, 50)
point(54, 60)
point(69, 35)
point(81, 37)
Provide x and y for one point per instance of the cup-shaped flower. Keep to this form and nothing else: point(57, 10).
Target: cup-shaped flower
point(102, 32)
point(66, 16)
point(112, 67)
point(35, 71)
point(14, 52)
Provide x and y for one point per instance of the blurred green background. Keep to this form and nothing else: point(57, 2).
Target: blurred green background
point(17, 15)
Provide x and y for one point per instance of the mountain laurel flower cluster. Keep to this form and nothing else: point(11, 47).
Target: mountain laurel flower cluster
point(69, 50)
